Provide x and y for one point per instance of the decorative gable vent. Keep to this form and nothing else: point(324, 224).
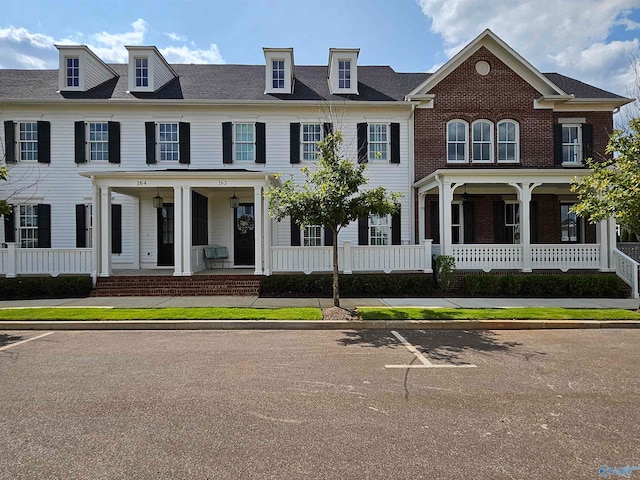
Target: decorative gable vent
point(279, 70)
point(148, 70)
point(80, 69)
point(343, 70)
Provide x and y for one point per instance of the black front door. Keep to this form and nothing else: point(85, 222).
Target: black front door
point(165, 235)
point(244, 236)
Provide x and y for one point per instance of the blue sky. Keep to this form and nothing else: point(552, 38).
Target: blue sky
point(592, 40)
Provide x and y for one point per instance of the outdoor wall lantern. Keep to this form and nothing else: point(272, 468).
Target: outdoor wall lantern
point(234, 201)
point(158, 202)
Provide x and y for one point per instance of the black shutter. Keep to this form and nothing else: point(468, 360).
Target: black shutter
point(434, 211)
point(499, 234)
point(294, 143)
point(80, 142)
point(295, 233)
point(587, 142)
point(44, 142)
point(114, 142)
point(261, 148)
point(81, 226)
point(362, 143)
point(184, 134)
point(396, 237)
point(533, 221)
point(150, 137)
point(10, 141)
point(227, 142)
point(328, 237)
point(116, 228)
point(363, 230)
point(557, 144)
point(327, 128)
point(395, 143)
point(468, 212)
point(44, 225)
point(9, 228)
point(199, 219)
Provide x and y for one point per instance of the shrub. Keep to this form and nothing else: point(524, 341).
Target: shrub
point(45, 287)
point(445, 271)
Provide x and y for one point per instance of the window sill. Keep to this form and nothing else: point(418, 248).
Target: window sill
point(573, 165)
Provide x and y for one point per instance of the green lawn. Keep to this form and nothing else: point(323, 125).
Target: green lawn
point(417, 313)
point(194, 313)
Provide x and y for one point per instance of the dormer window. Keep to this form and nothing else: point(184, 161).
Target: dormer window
point(277, 72)
point(142, 72)
point(344, 74)
point(73, 71)
point(343, 71)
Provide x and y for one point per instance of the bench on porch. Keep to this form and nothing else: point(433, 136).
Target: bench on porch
point(216, 254)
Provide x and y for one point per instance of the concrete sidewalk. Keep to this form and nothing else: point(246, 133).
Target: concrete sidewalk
point(261, 302)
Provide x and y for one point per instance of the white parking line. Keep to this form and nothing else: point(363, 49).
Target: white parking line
point(6, 347)
point(425, 363)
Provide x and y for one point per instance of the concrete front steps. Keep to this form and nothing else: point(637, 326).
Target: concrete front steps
point(164, 285)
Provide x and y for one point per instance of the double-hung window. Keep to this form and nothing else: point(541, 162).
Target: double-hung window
point(73, 71)
point(512, 222)
point(98, 141)
point(244, 142)
point(28, 143)
point(508, 135)
point(571, 144)
point(168, 142)
point(142, 72)
point(378, 141)
point(569, 224)
point(456, 141)
point(277, 73)
point(312, 236)
point(379, 230)
point(482, 138)
point(344, 73)
point(311, 135)
point(28, 226)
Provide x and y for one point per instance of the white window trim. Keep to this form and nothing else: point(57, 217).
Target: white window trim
point(460, 225)
point(87, 127)
point(388, 142)
point(235, 142)
point(517, 141)
point(22, 229)
point(578, 162)
point(387, 226)
point(579, 225)
point(284, 73)
point(66, 70)
point(135, 75)
point(490, 142)
point(304, 237)
point(518, 225)
point(350, 70)
point(159, 143)
point(303, 142)
point(18, 143)
point(466, 142)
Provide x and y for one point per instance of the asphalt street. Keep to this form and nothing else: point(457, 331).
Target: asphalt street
point(319, 404)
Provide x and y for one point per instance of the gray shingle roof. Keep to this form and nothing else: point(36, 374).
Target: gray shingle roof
point(246, 82)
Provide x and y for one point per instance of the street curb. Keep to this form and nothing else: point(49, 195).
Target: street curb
point(319, 325)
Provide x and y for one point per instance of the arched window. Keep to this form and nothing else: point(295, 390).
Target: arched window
point(508, 141)
point(457, 146)
point(482, 138)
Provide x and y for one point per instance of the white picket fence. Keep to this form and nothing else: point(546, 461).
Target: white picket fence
point(627, 269)
point(487, 257)
point(351, 258)
point(38, 261)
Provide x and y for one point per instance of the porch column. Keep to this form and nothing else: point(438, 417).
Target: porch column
point(421, 225)
point(96, 234)
point(446, 198)
point(187, 221)
point(267, 241)
point(136, 233)
point(177, 231)
point(105, 232)
point(524, 196)
point(612, 245)
point(257, 222)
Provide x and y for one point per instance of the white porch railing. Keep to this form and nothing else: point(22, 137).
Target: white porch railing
point(44, 261)
point(566, 257)
point(386, 258)
point(627, 269)
point(487, 257)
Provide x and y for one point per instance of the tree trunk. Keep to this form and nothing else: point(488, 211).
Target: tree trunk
point(336, 278)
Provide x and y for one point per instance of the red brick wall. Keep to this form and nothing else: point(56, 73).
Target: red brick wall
point(501, 94)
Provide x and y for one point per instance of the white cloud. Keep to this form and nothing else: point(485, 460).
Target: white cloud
point(20, 48)
point(570, 37)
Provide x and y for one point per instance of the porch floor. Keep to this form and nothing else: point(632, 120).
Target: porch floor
point(169, 272)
